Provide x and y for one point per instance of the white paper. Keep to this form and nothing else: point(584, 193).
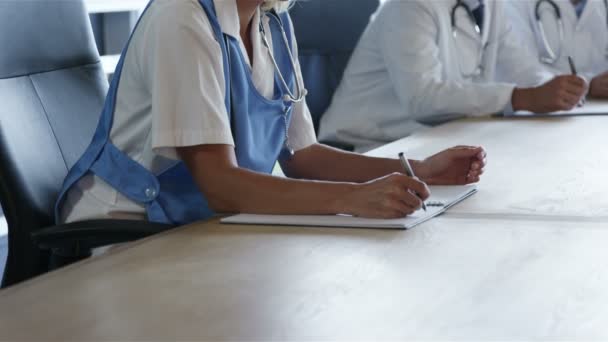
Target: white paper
point(446, 195)
point(591, 107)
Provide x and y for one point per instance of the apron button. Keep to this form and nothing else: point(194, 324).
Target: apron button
point(150, 193)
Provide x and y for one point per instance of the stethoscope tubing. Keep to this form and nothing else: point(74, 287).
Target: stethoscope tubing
point(552, 55)
point(301, 92)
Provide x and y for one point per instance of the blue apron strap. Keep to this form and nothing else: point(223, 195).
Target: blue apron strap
point(131, 179)
point(126, 175)
point(230, 100)
point(103, 129)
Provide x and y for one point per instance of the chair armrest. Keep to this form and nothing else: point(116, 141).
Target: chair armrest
point(78, 237)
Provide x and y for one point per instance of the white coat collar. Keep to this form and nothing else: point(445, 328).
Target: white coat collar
point(228, 17)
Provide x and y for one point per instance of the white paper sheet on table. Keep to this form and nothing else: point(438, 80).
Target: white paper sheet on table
point(591, 107)
point(442, 198)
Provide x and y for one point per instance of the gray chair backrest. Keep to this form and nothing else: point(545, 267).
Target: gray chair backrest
point(52, 89)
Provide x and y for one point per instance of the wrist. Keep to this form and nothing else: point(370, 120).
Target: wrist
point(522, 99)
point(592, 89)
point(422, 169)
point(339, 198)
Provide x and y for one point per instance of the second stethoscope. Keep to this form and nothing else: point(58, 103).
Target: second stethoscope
point(553, 55)
point(478, 69)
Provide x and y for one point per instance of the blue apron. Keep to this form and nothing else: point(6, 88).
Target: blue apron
point(258, 127)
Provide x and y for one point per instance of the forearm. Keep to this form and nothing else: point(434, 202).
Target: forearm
point(238, 190)
point(325, 163)
point(231, 189)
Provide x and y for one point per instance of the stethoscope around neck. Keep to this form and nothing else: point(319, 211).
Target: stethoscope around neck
point(479, 68)
point(300, 91)
point(289, 96)
point(553, 55)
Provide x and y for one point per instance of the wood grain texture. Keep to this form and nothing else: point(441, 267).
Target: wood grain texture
point(554, 167)
point(525, 258)
point(448, 279)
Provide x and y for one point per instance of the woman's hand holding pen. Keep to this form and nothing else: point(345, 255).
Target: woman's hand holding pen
point(392, 196)
point(561, 93)
point(398, 195)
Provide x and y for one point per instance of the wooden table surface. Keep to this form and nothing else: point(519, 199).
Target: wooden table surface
point(450, 278)
point(525, 258)
point(536, 167)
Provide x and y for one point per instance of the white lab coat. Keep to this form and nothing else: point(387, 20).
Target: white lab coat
point(585, 38)
point(405, 70)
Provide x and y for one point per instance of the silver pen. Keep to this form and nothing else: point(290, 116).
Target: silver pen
point(410, 173)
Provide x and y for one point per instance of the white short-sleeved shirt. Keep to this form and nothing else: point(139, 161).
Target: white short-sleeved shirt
point(171, 94)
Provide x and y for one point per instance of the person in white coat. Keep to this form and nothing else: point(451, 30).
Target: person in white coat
point(582, 34)
point(421, 62)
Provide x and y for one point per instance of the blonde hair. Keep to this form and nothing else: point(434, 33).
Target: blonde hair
point(277, 5)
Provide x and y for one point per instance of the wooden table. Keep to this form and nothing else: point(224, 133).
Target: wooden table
point(450, 278)
point(537, 167)
point(525, 258)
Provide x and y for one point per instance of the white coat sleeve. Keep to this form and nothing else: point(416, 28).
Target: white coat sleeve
point(518, 53)
point(412, 55)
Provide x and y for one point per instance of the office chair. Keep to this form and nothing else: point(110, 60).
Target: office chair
point(327, 32)
point(52, 89)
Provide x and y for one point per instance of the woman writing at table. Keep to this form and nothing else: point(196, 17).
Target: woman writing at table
point(207, 99)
